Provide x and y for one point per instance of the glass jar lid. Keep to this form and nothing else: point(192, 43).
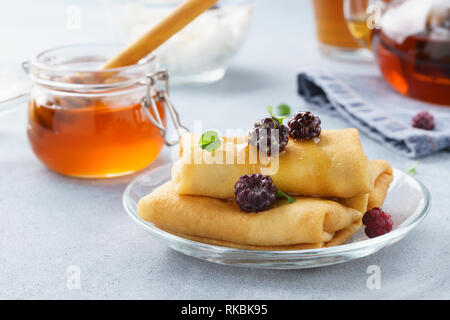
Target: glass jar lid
point(77, 68)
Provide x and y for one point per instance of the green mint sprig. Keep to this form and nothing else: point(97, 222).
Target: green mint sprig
point(280, 119)
point(283, 110)
point(412, 171)
point(210, 141)
point(281, 195)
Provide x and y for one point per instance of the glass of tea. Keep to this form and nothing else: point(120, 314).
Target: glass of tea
point(410, 40)
point(333, 34)
point(90, 123)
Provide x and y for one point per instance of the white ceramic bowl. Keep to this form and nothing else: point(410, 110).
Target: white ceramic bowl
point(202, 50)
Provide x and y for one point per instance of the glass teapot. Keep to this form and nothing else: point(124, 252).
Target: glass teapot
point(410, 40)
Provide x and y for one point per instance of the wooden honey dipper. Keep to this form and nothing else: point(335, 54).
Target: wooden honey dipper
point(185, 13)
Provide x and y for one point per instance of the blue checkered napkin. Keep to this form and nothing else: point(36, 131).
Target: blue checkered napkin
point(370, 105)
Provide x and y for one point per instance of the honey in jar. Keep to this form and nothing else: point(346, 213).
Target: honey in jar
point(93, 141)
point(87, 124)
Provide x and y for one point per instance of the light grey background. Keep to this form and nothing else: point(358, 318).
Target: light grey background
point(49, 222)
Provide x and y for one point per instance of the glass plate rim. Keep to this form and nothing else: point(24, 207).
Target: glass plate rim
point(397, 233)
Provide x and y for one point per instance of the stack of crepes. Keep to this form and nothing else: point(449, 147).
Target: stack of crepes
point(332, 180)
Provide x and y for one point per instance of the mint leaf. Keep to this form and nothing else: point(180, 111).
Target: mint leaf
point(280, 194)
point(283, 110)
point(212, 146)
point(210, 141)
point(208, 137)
point(270, 111)
point(412, 171)
point(280, 119)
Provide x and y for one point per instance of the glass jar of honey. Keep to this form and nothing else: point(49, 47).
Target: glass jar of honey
point(91, 123)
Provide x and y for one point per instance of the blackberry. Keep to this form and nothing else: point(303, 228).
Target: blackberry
point(423, 120)
point(304, 126)
point(377, 222)
point(263, 136)
point(255, 192)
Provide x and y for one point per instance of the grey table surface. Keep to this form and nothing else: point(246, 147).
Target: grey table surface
point(49, 222)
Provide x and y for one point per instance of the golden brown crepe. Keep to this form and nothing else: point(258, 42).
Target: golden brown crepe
point(381, 178)
point(334, 166)
point(382, 174)
point(340, 237)
point(306, 221)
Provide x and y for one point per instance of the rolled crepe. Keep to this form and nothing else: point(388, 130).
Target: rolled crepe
point(381, 177)
point(382, 174)
point(335, 166)
point(306, 221)
point(339, 238)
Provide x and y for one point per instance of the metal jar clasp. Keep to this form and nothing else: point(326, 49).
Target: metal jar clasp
point(149, 101)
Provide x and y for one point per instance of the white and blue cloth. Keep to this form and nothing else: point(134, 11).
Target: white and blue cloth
point(369, 104)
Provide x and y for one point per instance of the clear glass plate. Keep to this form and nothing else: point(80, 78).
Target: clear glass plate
point(408, 201)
